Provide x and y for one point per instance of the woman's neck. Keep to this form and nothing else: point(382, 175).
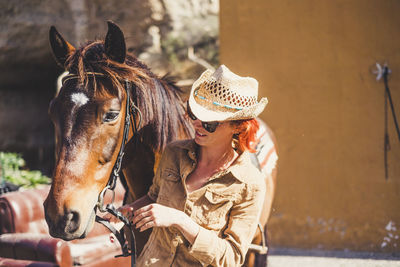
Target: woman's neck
point(220, 156)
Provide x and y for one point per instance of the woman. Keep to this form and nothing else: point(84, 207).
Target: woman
point(206, 196)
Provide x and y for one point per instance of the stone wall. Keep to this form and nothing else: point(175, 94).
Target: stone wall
point(157, 31)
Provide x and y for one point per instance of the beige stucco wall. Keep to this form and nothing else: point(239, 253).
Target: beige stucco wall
point(313, 61)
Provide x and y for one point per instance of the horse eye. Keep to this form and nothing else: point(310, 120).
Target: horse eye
point(110, 116)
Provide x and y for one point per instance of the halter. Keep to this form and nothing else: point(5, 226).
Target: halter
point(115, 174)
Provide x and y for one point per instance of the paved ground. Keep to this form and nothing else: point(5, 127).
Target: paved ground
point(315, 258)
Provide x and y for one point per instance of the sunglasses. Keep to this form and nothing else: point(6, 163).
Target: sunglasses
point(208, 126)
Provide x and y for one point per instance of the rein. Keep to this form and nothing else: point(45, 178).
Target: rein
point(115, 174)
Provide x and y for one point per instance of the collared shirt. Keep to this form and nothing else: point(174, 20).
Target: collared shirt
point(227, 208)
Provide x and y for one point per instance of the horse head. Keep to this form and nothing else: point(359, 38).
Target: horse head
point(88, 115)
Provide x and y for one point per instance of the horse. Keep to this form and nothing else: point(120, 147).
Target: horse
point(88, 114)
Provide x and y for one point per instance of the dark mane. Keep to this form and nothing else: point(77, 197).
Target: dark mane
point(163, 113)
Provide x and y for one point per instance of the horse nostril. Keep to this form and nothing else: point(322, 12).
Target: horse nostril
point(72, 221)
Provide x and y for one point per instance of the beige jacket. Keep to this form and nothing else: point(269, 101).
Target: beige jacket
point(227, 208)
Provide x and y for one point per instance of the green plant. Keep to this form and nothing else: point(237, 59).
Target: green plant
point(12, 170)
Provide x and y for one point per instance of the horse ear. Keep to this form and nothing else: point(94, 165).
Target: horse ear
point(115, 43)
point(61, 48)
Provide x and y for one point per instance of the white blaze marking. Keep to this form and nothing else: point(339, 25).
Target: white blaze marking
point(78, 165)
point(79, 99)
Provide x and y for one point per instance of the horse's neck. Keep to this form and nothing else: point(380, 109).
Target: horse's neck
point(139, 166)
point(141, 158)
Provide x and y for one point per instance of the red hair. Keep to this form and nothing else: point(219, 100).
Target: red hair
point(247, 134)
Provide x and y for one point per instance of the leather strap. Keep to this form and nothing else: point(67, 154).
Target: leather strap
point(120, 235)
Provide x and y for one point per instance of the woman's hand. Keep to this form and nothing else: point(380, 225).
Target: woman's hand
point(126, 210)
point(156, 215)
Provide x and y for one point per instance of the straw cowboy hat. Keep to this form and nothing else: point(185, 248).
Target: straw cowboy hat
point(223, 96)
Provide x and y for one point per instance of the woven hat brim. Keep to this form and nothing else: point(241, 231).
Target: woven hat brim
point(205, 114)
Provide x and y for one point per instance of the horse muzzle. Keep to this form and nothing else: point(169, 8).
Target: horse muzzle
point(69, 224)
